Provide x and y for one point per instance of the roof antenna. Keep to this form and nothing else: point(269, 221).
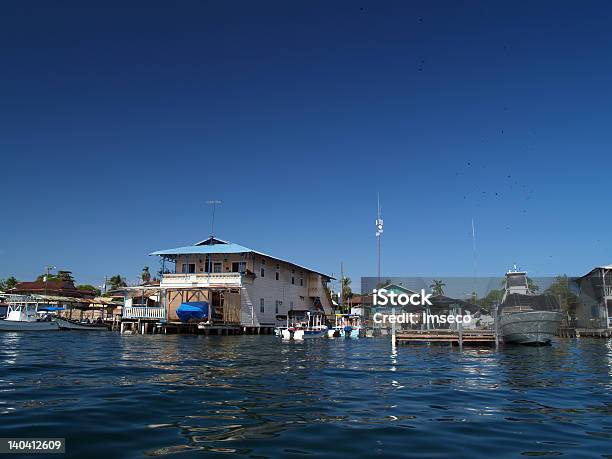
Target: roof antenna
point(214, 203)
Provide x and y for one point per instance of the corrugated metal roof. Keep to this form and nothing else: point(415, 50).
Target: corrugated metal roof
point(205, 249)
point(225, 247)
point(604, 267)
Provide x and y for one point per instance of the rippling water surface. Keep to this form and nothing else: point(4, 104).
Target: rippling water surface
point(135, 396)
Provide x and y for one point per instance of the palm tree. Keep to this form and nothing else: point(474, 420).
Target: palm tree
point(145, 275)
point(116, 282)
point(347, 292)
point(437, 288)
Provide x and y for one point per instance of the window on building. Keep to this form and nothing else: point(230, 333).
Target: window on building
point(184, 268)
point(291, 305)
point(263, 272)
point(292, 279)
point(301, 282)
point(191, 268)
point(277, 275)
point(262, 306)
point(217, 267)
point(239, 267)
point(279, 303)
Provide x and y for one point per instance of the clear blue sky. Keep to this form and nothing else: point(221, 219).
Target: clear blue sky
point(118, 120)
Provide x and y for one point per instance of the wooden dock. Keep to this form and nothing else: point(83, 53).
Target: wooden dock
point(465, 337)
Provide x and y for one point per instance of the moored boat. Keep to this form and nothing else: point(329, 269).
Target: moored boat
point(524, 316)
point(22, 315)
point(347, 326)
point(68, 324)
point(311, 327)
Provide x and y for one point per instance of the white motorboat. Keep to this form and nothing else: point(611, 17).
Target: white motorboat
point(347, 326)
point(22, 315)
point(311, 327)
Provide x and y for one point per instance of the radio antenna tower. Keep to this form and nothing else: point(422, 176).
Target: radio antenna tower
point(213, 203)
point(379, 231)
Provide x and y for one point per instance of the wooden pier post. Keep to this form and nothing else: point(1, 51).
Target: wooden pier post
point(495, 323)
point(460, 329)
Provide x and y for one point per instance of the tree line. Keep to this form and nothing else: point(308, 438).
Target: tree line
point(115, 282)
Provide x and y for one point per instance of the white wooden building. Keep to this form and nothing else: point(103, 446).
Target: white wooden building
point(246, 287)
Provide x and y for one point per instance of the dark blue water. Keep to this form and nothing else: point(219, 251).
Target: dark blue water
point(135, 396)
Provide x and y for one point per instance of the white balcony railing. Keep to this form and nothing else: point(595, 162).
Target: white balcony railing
point(608, 291)
point(202, 280)
point(142, 312)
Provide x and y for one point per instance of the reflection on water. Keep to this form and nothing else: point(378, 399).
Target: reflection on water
point(253, 395)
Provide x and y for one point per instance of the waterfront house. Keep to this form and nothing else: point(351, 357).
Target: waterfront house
point(245, 287)
point(594, 308)
point(51, 287)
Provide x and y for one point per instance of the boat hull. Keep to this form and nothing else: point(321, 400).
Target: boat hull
point(351, 332)
point(314, 334)
point(65, 324)
point(530, 327)
point(18, 325)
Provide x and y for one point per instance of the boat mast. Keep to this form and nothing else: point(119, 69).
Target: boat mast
point(473, 262)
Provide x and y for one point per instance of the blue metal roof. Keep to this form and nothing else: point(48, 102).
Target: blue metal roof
point(221, 248)
point(205, 249)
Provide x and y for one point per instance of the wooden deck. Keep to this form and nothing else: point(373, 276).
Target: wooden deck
point(467, 337)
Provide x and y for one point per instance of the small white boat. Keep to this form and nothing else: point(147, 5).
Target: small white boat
point(23, 316)
point(347, 326)
point(311, 327)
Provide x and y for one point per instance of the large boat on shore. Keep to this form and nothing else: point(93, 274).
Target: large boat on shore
point(524, 316)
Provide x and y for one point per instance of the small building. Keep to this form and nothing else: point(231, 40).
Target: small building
point(51, 287)
point(245, 287)
point(594, 308)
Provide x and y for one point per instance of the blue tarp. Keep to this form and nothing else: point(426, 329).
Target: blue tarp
point(193, 310)
point(51, 308)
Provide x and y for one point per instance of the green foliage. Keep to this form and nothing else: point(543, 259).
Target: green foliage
point(90, 287)
point(8, 283)
point(437, 287)
point(560, 289)
point(63, 276)
point(116, 282)
point(347, 292)
point(145, 275)
point(493, 297)
point(531, 285)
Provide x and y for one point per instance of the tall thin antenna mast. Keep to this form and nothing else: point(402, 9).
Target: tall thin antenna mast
point(214, 203)
point(379, 231)
point(473, 258)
